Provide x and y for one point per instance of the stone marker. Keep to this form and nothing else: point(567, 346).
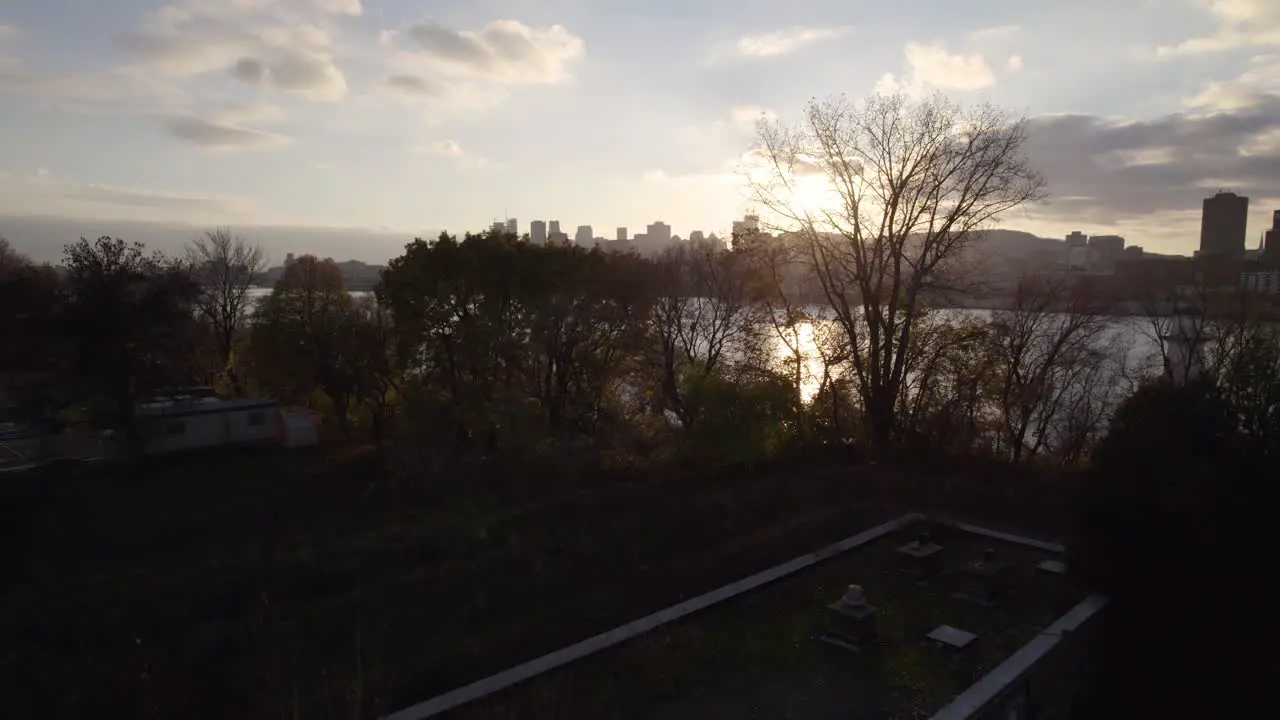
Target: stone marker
point(951, 637)
point(925, 556)
point(852, 623)
point(986, 579)
point(1053, 567)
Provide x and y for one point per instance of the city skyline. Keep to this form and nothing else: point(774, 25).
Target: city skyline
point(369, 117)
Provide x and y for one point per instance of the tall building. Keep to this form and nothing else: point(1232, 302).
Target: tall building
point(554, 228)
point(659, 234)
point(513, 227)
point(583, 235)
point(1271, 241)
point(1077, 251)
point(698, 236)
point(748, 225)
point(538, 232)
point(1104, 250)
point(1223, 225)
point(622, 234)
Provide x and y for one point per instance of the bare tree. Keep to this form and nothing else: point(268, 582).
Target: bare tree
point(1047, 347)
point(887, 194)
point(702, 320)
point(225, 265)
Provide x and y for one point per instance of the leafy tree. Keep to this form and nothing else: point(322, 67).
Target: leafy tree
point(128, 322)
point(304, 339)
point(32, 353)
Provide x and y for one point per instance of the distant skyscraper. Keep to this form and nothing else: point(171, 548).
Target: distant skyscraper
point(583, 235)
point(1271, 241)
point(1223, 225)
point(513, 227)
point(554, 228)
point(498, 227)
point(1077, 251)
point(748, 225)
point(659, 234)
point(1104, 250)
point(698, 236)
point(538, 232)
point(622, 233)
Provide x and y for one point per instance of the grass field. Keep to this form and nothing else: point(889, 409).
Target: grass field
point(306, 584)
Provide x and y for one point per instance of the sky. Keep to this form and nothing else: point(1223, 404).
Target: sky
point(390, 118)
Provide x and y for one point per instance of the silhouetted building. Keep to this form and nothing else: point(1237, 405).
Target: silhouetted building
point(1133, 252)
point(538, 232)
point(584, 235)
point(1104, 250)
point(1223, 225)
point(513, 227)
point(1077, 251)
point(659, 234)
point(553, 228)
point(748, 225)
point(1271, 242)
point(697, 236)
point(622, 234)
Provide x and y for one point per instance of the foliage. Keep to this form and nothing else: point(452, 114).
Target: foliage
point(128, 320)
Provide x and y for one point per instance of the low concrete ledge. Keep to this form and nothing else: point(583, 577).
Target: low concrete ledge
point(980, 696)
point(609, 638)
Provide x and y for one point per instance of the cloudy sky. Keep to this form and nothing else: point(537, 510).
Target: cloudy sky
point(398, 116)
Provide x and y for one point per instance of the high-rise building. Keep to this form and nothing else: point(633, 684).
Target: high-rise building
point(1104, 250)
point(748, 225)
point(538, 232)
point(513, 227)
point(1077, 251)
point(659, 234)
point(698, 236)
point(622, 234)
point(583, 235)
point(1223, 225)
point(1271, 241)
point(498, 227)
point(554, 228)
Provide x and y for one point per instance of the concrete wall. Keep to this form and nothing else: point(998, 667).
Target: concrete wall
point(1047, 679)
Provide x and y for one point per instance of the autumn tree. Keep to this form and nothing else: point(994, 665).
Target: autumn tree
point(303, 338)
point(225, 266)
point(129, 323)
point(886, 195)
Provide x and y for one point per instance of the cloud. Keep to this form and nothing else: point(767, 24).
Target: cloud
point(1260, 80)
point(932, 67)
point(997, 35)
point(441, 148)
point(1014, 63)
point(228, 130)
point(1109, 171)
point(285, 45)
point(136, 198)
point(42, 186)
point(749, 115)
point(9, 33)
point(783, 42)
point(503, 52)
point(1239, 24)
point(452, 151)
